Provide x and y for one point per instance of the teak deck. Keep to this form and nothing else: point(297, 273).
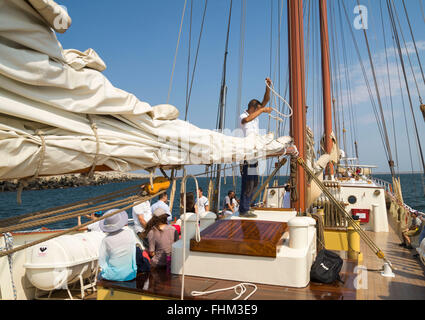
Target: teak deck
point(241, 237)
point(161, 283)
point(409, 283)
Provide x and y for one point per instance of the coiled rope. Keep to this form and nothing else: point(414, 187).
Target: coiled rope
point(276, 95)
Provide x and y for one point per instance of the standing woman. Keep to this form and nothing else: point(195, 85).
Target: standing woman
point(161, 237)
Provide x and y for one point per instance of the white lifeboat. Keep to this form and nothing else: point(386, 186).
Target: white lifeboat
point(56, 263)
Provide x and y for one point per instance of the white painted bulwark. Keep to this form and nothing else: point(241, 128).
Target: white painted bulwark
point(368, 196)
point(290, 268)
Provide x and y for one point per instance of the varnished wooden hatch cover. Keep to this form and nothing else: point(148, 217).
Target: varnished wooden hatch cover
point(242, 237)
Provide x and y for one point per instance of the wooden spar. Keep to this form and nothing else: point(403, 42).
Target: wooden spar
point(326, 79)
point(297, 94)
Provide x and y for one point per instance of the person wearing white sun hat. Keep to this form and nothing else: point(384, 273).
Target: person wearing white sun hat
point(117, 254)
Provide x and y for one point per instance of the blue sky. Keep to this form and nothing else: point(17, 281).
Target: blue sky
point(137, 40)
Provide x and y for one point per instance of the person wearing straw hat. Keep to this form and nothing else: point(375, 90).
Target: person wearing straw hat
point(117, 254)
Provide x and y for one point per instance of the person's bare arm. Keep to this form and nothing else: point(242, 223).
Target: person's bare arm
point(142, 220)
point(266, 98)
point(255, 114)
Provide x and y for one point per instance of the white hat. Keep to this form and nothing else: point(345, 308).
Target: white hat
point(160, 212)
point(115, 222)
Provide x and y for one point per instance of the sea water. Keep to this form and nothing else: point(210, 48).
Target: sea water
point(36, 200)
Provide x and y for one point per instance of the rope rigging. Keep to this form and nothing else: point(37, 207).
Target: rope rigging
point(414, 41)
point(397, 40)
point(408, 56)
point(196, 57)
point(389, 84)
point(221, 114)
point(241, 57)
point(352, 116)
point(129, 203)
point(276, 95)
point(404, 111)
point(369, 89)
point(378, 95)
point(175, 54)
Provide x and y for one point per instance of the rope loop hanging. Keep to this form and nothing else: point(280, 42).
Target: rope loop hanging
point(271, 87)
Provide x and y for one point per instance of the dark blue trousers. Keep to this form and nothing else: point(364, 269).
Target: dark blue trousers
point(249, 184)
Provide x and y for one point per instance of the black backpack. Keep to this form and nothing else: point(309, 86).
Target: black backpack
point(326, 268)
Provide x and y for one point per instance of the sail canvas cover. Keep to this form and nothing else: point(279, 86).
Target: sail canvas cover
point(60, 114)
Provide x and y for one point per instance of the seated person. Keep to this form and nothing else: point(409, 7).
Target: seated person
point(117, 254)
point(162, 203)
point(141, 215)
point(203, 204)
point(235, 203)
point(412, 231)
point(190, 203)
point(94, 226)
point(422, 234)
point(230, 204)
point(161, 237)
point(287, 197)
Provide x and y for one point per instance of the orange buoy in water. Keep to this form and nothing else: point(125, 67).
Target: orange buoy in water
point(423, 110)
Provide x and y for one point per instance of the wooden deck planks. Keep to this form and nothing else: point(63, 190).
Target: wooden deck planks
point(161, 283)
point(409, 283)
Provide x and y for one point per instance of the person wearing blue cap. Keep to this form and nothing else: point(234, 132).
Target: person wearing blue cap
point(95, 225)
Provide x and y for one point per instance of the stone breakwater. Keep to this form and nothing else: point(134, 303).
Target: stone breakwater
point(72, 180)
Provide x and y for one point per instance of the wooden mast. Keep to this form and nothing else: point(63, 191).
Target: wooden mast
point(326, 78)
point(297, 97)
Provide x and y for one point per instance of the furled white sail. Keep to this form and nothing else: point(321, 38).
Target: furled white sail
point(59, 114)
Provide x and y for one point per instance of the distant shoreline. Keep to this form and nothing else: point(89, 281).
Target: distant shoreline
point(99, 178)
point(71, 181)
